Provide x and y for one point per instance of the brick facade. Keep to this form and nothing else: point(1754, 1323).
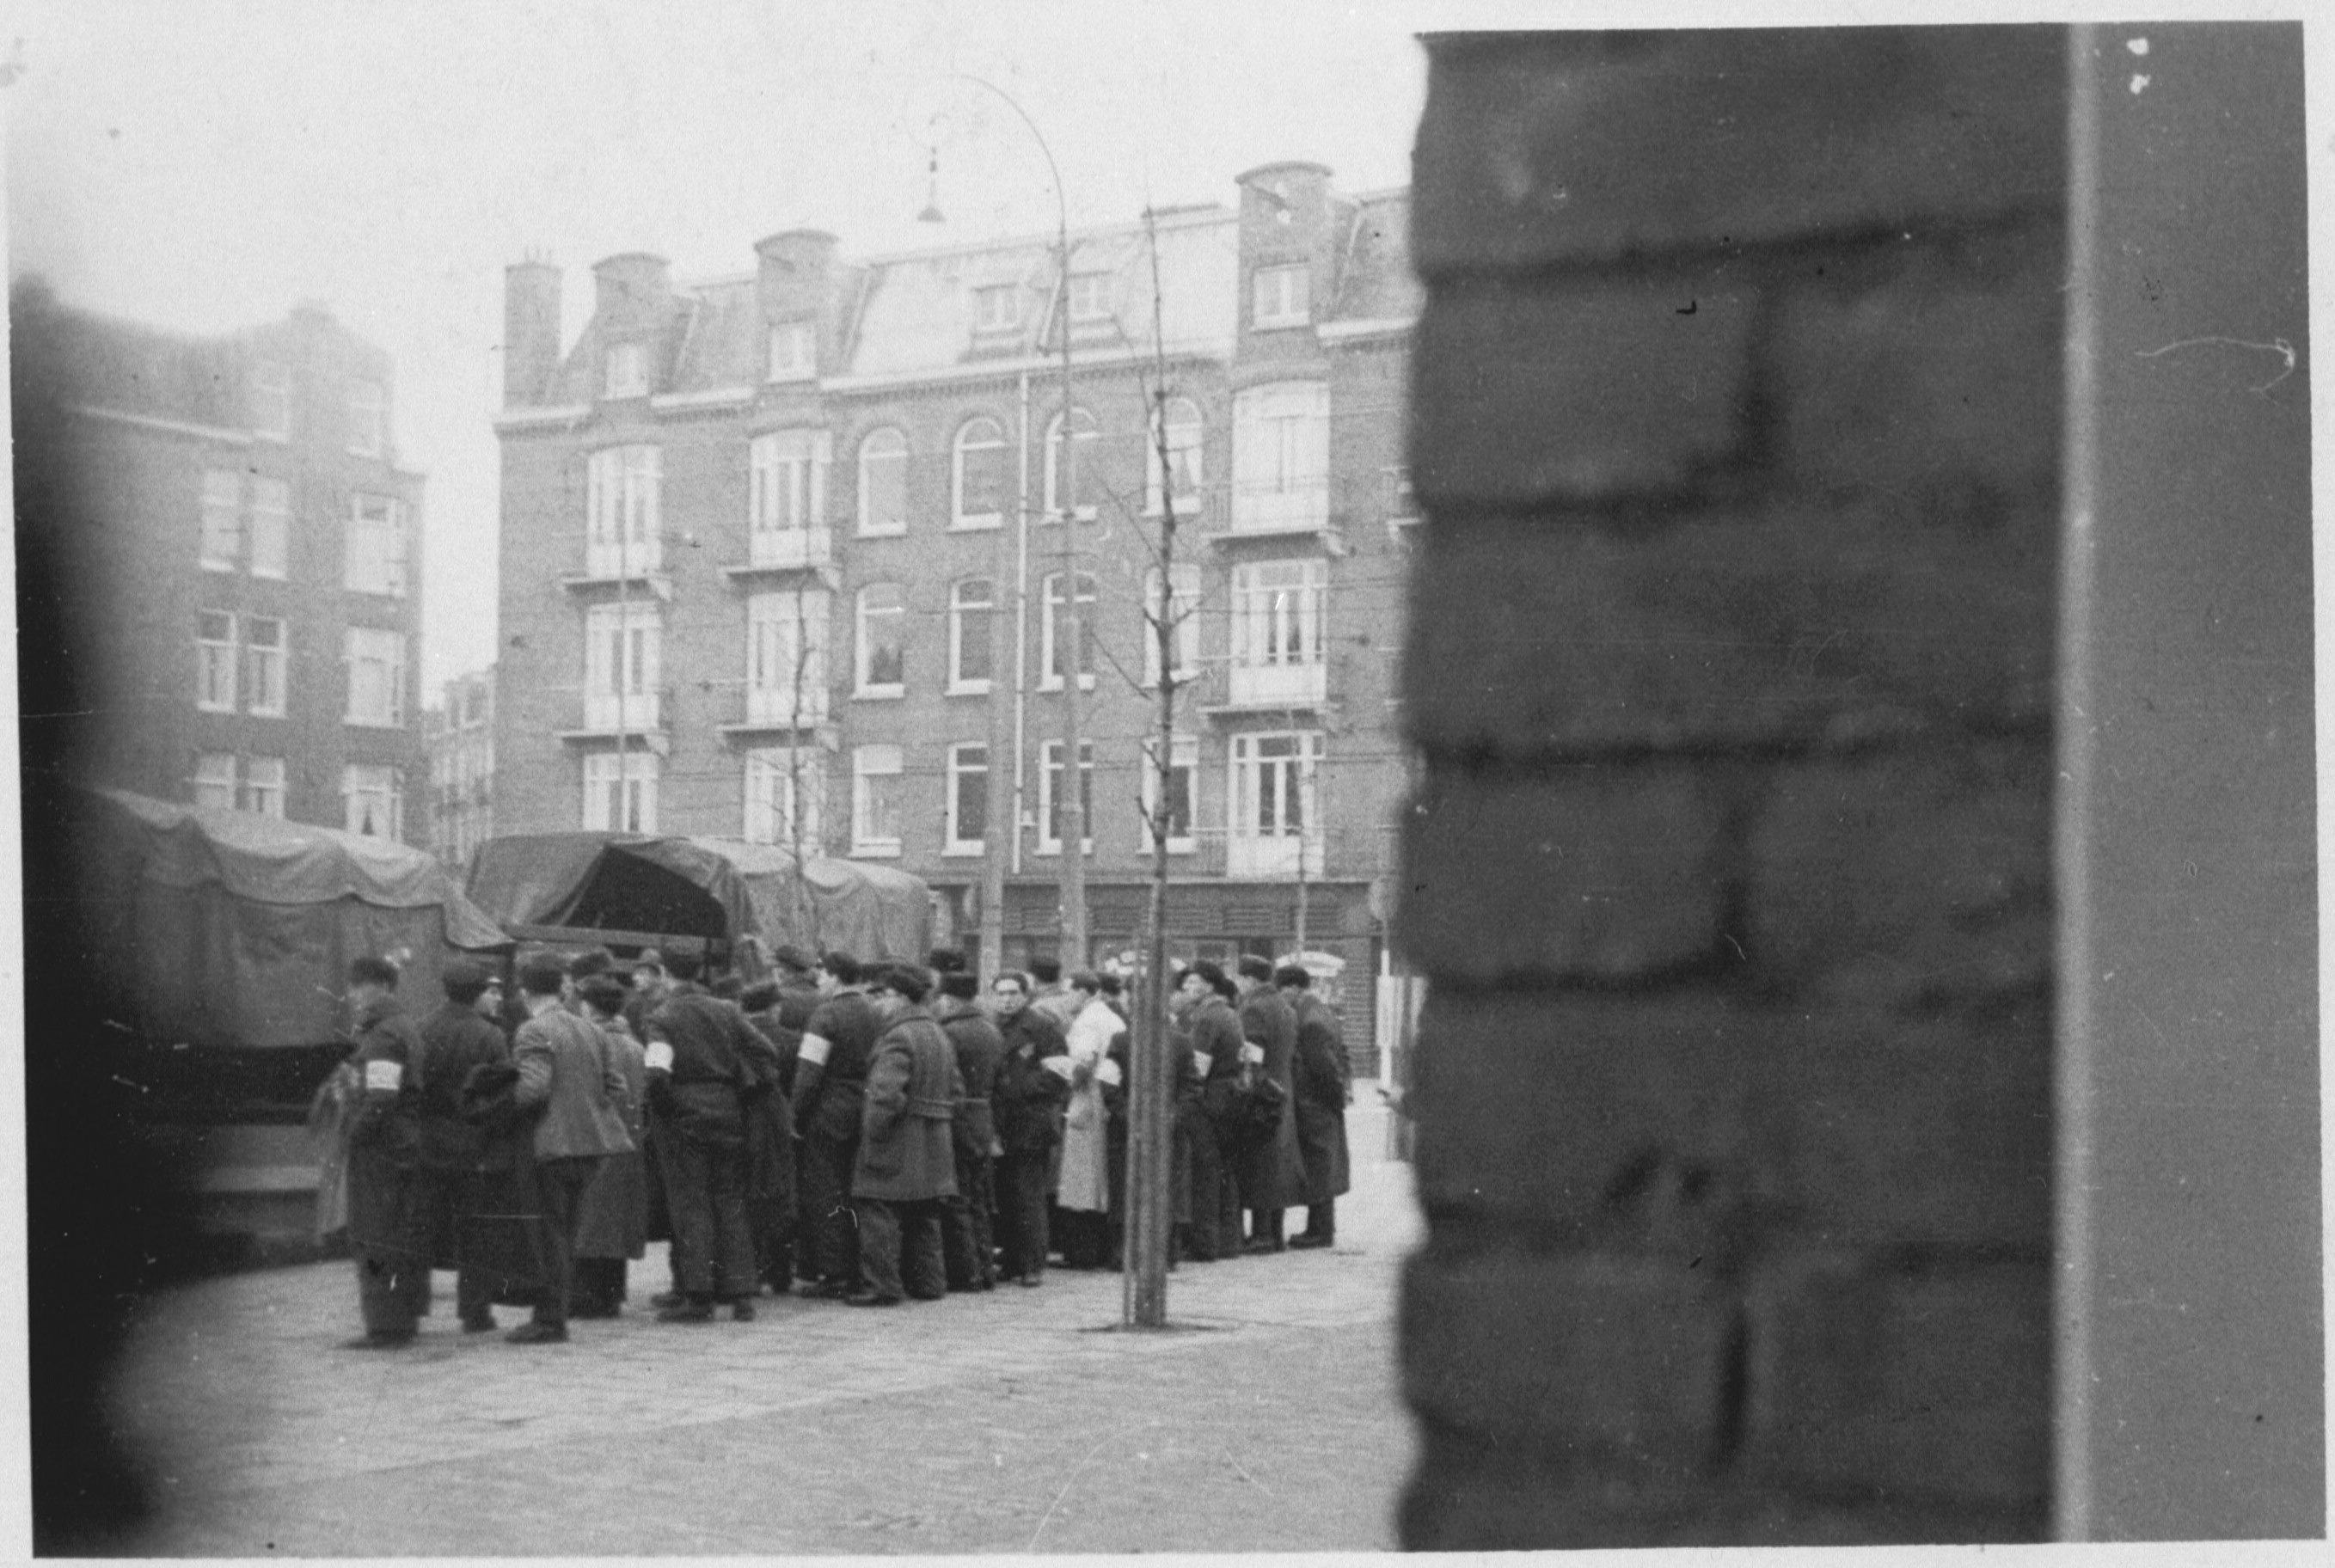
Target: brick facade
point(1738, 401)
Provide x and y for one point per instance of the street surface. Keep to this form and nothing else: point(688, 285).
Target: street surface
point(1267, 1418)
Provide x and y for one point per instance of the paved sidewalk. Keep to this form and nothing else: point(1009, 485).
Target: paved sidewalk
point(1018, 1420)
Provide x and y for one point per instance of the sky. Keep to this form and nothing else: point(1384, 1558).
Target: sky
point(203, 166)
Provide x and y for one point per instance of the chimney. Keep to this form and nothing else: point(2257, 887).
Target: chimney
point(530, 331)
point(631, 294)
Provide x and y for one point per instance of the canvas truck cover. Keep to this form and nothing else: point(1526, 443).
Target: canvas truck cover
point(235, 929)
point(709, 887)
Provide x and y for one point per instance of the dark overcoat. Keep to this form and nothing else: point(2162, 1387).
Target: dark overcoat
point(906, 1151)
point(612, 1217)
point(384, 1133)
point(1323, 1080)
point(979, 1048)
point(1272, 1174)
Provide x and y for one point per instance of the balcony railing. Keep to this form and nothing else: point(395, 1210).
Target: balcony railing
point(1274, 854)
point(1277, 508)
point(777, 707)
point(781, 549)
point(612, 557)
point(1278, 685)
point(609, 712)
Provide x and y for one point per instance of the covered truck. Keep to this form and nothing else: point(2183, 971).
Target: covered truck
point(635, 890)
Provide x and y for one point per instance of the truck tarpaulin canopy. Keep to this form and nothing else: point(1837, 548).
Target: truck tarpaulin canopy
point(720, 888)
point(236, 929)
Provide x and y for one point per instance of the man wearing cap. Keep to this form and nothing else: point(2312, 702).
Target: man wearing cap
point(968, 1220)
point(1215, 1052)
point(566, 1068)
point(1026, 1099)
point(1272, 1171)
point(388, 1235)
point(705, 1061)
point(906, 1160)
point(1324, 1085)
point(831, 1086)
point(454, 1040)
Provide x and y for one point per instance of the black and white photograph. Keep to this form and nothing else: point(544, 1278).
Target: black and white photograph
point(817, 779)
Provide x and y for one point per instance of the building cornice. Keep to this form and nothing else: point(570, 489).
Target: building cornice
point(524, 418)
point(168, 427)
point(1034, 365)
point(1372, 327)
point(711, 398)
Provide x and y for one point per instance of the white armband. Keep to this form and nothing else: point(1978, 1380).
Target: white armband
point(1107, 1072)
point(384, 1077)
point(659, 1055)
point(1203, 1061)
point(1252, 1052)
point(1060, 1066)
point(815, 1048)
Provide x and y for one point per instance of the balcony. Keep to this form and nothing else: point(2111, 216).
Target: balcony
point(635, 715)
point(774, 711)
point(1266, 688)
point(609, 566)
point(774, 551)
point(1279, 512)
point(1272, 855)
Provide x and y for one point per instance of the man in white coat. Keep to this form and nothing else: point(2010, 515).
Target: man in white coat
point(1084, 1195)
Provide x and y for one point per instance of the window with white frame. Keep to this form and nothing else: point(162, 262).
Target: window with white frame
point(1270, 822)
point(1185, 435)
point(372, 800)
point(624, 655)
point(376, 555)
point(1051, 799)
point(1085, 443)
point(1052, 649)
point(794, 350)
point(620, 793)
point(623, 532)
point(997, 308)
point(1183, 617)
point(215, 662)
point(264, 666)
point(271, 528)
point(967, 806)
point(222, 519)
point(981, 474)
point(881, 668)
point(262, 785)
point(1281, 455)
point(876, 801)
point(1281, 296)
point(214, 780)
point(1183, 777)
point(627, 371)
point(376, 665)
point(271, 398)
point(884, 482)
point(781, 781)
point(972, 610)
point(786, 658)
point(1090, 296)
point(785, 496)
point(368, 412)
point(1277, 632)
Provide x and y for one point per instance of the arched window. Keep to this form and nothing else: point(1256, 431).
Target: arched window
point(884, 482)
point(973, 604)
point(981, 472)
point(1086, 455)
point(1185, 434)
point(1051, 651)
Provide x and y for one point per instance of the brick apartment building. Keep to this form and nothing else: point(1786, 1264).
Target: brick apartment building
point(459, 734)
point(793, 538)
point(235, 560)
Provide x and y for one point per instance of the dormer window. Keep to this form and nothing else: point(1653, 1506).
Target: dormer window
point(628, 370)
point(794, 350)
point(1090, 296)
point(1283, 296)
point(997, 308)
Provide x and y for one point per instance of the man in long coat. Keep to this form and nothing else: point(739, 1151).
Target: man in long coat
point(454, 1040)
point(612, 1221)
point(388, 1231)
point(1216, 1034)
point(969, 1221)
point(1272, 1171)
point(1026, 1099)
point(1082, 1192)
point(703, 1061)
point(566, 1069)
point(831, 1086)
point(1324, 1085)
point(908, 1158)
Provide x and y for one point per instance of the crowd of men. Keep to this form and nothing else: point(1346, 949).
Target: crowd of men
point(865, 1134)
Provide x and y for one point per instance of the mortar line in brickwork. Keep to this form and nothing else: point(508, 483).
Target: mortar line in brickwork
point(1639, 266)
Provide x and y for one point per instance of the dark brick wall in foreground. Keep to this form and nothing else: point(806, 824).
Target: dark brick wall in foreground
point(1737, 422)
